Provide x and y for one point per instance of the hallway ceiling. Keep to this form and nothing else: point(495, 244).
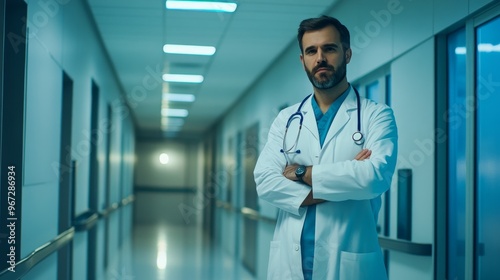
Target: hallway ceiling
point(248, 41)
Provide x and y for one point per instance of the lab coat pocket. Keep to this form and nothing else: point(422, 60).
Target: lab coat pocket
point(362, 266)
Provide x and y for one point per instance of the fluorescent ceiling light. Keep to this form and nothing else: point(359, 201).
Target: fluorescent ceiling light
point(488, 48)
point(178, 97)
point(481, 48)
point(171, 131)
point(188, 49)
point(172, 121)
point(164, 159)
point(167, 112)
point(171, 128)
point(460, 50)
point(202, 6)
point(180, 78)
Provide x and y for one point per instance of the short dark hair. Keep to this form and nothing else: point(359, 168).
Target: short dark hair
point(313, 24)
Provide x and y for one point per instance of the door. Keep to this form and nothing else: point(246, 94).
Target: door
point(487, 244)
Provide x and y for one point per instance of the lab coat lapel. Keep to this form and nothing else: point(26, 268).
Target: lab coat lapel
point(348, 107)
point(310, 120)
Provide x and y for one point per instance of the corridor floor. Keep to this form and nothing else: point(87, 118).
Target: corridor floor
point(156, 252)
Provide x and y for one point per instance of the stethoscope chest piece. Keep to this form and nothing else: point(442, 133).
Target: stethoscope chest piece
point(358, 138)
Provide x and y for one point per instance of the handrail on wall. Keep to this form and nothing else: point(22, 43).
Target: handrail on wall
point(38, 255)
point(399, 245)
point(404, 246)
point(84, 221)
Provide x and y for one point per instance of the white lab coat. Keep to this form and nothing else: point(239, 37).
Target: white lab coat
point(346, 244)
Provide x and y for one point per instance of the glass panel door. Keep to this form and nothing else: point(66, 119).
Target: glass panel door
point(456, 154)
point(487, 243)
point(372, 91)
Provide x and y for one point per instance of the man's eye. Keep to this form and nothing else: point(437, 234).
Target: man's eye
point(310, 51)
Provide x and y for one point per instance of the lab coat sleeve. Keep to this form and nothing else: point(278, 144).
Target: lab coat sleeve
point(271, 185)
point(356, 180)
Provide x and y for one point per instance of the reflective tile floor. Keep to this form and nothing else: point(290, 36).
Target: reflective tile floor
point(173, 252)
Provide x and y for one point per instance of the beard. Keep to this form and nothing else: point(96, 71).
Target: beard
point(328, 80)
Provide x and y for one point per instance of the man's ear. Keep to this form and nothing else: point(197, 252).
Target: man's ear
point(302, 60)
point(348, 55)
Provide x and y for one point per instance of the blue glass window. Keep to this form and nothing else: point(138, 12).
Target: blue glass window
point(455, 117)
point(487, 247)
point(372, 91)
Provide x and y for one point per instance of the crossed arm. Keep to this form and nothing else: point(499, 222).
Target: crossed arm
point(289, 173)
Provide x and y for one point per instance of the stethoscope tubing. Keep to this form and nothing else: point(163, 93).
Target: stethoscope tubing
point(357, 136)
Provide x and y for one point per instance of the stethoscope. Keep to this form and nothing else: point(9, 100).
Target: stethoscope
point(357, 136)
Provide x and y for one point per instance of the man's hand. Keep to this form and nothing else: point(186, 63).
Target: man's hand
point(364, 154)
point(289, 173)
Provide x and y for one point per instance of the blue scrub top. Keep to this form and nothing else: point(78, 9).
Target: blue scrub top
point(324, 121)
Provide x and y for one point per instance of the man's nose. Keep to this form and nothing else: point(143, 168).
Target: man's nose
point(321, 58)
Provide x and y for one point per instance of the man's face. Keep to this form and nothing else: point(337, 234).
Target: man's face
point(324, 58)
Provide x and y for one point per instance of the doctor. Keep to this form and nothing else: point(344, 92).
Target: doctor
point(327, 161)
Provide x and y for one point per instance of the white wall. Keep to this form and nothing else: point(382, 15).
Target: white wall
point(413, 103)
point(162, 190)
point(397, 34)
point(62, 37)
point(180, 172)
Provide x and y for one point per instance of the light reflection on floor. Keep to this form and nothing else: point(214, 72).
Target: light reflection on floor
point(173, 252)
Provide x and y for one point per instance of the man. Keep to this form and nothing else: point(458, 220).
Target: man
point(325, 165)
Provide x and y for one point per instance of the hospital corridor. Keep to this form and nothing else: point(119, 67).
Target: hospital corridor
point(249, 140)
